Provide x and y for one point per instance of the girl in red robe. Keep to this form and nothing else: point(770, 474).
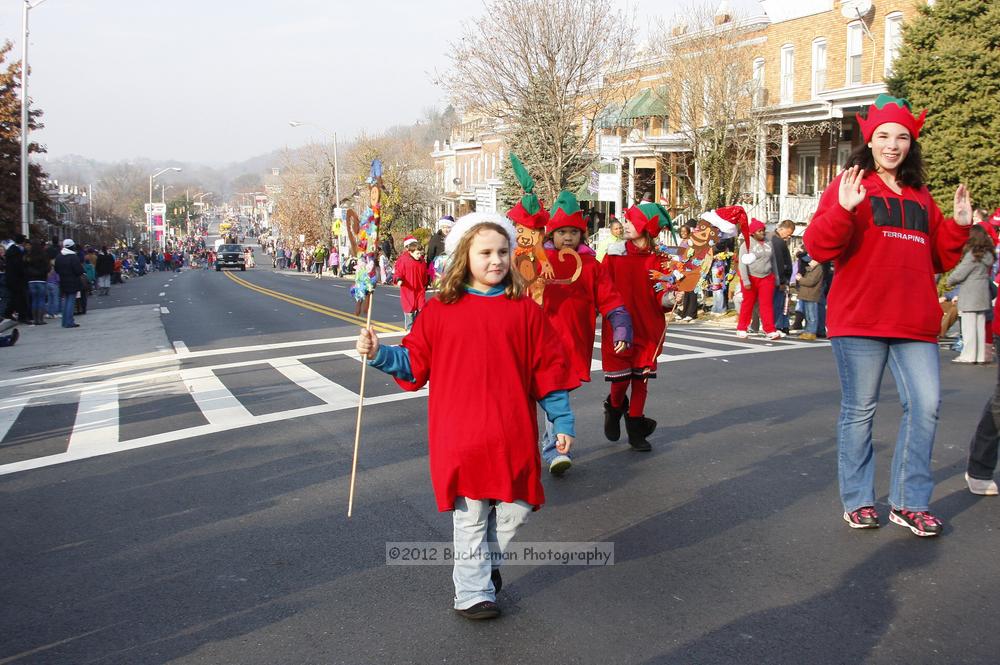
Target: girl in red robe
point(411, 276)
point(628, 264)
point(486, 346)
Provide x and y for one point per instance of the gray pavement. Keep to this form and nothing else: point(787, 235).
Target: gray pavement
point(232, 545)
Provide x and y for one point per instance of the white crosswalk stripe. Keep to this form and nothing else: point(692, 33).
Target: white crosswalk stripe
point(97, 429)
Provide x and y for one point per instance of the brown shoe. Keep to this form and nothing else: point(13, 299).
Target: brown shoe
point(809, 337)
point(484, 610)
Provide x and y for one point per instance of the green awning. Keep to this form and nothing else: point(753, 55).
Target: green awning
point(609, 118)
point(646, 104)
point(633, 105)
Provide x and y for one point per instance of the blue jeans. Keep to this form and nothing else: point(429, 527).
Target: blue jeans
point(780, 318)
point(718, 302)
point(549, 451)
point(811, 310)
point(68, 303)
point(915, 366)
point(52, 302)
point(37, 291)
point(482, 532)
point(821, 317)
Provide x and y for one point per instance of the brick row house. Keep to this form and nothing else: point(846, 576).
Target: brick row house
point(812, 66)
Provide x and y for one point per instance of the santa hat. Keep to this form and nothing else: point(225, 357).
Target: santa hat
point(528, 211)
point(408, 240)
point(649, 217)
point(447, 220)
point(566, 212)
point(727, 219)
point(891, 109)
point(996, 216)
point(748, 229)
point(468, 222)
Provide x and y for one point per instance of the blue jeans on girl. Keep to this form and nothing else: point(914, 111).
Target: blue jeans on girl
point(483, 530)
point(915, 366)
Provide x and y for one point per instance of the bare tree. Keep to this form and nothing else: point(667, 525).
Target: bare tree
point(540, 64)
point(708, 87)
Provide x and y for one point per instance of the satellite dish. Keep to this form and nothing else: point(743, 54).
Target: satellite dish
point(855, 9)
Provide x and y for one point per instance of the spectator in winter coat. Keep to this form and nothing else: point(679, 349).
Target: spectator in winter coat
point(974, 298)
point(782, 258)
point(70, 271)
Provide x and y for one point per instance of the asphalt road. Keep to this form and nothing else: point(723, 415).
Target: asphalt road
point(230, 543)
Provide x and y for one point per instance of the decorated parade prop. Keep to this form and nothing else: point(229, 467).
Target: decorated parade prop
point(684, 270)
point(365, 243)
point(531, 221)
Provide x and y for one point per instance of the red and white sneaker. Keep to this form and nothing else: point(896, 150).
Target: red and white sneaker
point(865, 517)
point(776, 334)
point(921, 523)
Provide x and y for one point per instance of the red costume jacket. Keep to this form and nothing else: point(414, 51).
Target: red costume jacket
point(572, 308)
point(490, 360)
point(629, 273)
point(413, 274)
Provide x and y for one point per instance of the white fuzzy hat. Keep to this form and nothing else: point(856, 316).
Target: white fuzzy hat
point(467, 222)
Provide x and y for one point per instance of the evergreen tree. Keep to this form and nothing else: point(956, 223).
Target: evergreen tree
point(950, 65)
point(10, 152)
point(535, 152)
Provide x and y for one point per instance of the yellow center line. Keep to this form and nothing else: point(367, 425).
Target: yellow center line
point(378, 326)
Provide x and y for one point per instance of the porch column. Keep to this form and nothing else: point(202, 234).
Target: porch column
point(760, 184)
point(783, 183)
point(631, 181)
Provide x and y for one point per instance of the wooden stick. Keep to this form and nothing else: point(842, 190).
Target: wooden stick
point(361, 406)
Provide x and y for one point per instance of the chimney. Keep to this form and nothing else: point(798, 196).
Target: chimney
point(724, 14)
point(679, 29)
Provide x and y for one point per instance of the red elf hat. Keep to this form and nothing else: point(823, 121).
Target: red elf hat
point(566, 212)
point(649, 217)
point(528, 211)
point(891, 109)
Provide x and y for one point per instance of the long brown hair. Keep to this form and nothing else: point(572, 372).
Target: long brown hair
point(458, 274)
point(979, 243)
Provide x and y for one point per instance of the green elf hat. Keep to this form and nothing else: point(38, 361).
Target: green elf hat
point(566, 212)
point(891, 109)
point(528, 211)
point(649, 217)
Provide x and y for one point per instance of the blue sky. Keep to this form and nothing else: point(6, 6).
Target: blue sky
point(218, 81)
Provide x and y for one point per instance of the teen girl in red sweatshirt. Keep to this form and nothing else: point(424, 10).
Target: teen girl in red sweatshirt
point(887, 238)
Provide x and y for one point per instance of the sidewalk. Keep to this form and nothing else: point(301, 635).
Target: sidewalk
point(104, 336)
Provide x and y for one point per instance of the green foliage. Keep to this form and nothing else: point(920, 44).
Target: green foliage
point(423, 235)
point(950, 65)
point(10, 153)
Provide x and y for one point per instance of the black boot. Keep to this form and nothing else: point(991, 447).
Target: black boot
point(613, 419)
point(637, 428)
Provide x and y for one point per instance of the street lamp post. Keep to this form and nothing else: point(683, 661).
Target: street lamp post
point(149, 215)
point(334, 177)
point(25, 205)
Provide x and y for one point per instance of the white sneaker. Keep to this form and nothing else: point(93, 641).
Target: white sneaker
point(560, 465)
point(981, 487)
point(777, 334)
point(742, 334)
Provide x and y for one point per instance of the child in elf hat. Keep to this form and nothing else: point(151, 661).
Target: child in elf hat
point(628, 265)
point(887, 238)
point(483, 346)
point(570, 307)
point(411, 276)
